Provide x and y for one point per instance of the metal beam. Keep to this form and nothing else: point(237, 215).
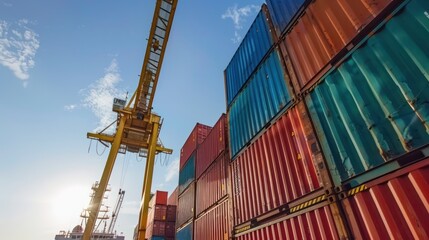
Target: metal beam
point(99, 192)
point(147, 182)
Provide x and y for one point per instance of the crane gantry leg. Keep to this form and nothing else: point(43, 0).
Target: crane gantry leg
point(148, 176)
point(99, 192)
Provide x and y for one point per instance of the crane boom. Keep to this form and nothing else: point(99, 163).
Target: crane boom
point(115, 212)
point(137, 127)
point(158, 38)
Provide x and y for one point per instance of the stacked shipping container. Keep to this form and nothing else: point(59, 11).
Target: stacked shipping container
point(187, 184)
point(213, 184)
point(327, 126)
point(161, 218)
point(208, 195)
point(359, 70)
point(277, 165)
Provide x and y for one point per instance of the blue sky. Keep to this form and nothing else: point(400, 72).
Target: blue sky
point(61, 63)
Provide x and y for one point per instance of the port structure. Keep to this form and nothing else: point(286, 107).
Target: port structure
point(137, 127)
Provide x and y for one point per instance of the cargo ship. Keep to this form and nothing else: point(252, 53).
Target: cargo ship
point(107, 233)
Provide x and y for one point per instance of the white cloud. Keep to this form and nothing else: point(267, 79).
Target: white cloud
point(18, 47)
point(99, 96)
point(236, 38)
point(172, 170)
point(70, 107)
point(6, 4)
point(237, 14)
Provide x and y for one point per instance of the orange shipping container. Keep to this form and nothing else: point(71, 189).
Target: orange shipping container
point(326, 27)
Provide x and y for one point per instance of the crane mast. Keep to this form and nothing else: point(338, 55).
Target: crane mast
point(138, 127)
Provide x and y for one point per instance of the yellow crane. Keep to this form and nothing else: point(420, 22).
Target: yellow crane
point(137, 128)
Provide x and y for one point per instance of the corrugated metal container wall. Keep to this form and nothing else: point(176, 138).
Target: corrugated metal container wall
point(214, 225)
point(212, 186)
point(159, 197)
point(185, 209)
point(157, 212)
point(394, 207)
point(186, 233)
point(374, 106)
point(213, 145)
point(187, 174)
point(172, 199)
point(282, 12)
point(197, 136)
point(265, 94)
point(171, 213)
point(156, 228)
point(326, 27)
point(170, 229)
point(254, 46)
point(316, 224)
point(277, 168)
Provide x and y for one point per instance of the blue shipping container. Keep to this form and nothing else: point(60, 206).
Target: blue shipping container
point(374, 107)
point(185, 233)
point(265, 94)
point(249, 54)
point(282, 12)
point(156, 238)
point(187, 174)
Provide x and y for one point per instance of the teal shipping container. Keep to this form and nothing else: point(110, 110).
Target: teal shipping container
point(262, 98)
point(186, 233)
point(187, 174)
point(283, 12)
point(374, 107)
point(254, 46)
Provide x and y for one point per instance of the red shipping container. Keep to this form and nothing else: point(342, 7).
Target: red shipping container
point(212, 186)
point(185, 209)
point(326, 27)
point(395, 206)
point(170, 229)
point(171, 213)
point(316, 224)
point(212, 146)
point(278, 167)
point(215, 224)
point(156, 228)
point(157, 212)
point(159, 198)
point(173, 198)
point(197, 136)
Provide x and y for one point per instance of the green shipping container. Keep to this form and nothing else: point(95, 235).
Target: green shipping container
point(187, 174)
point(374, 107)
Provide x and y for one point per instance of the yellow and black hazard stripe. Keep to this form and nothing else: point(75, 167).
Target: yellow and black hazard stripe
point(356, 190)
point(307, 204)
